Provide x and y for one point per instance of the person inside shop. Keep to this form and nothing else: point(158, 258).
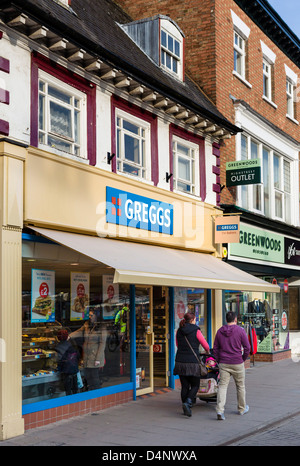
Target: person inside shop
point(92, 337)
point(188, 338)
point(67, 361)
point(122, 323)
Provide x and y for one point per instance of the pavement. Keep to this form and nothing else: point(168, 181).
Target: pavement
point(273, 395)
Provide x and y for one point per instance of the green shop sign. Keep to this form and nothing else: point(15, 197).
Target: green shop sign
point(242, 172)
point(258, 244)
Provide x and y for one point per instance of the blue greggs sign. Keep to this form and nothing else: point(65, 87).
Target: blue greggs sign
point(124, 208)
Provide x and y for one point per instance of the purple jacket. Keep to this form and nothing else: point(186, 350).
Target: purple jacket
point(231, 345)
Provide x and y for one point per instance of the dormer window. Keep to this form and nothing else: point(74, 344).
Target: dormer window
point(171, 47)
point(170, 52)
point(162, 40)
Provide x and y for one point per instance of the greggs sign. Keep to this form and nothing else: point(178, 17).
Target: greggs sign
point(128, 209)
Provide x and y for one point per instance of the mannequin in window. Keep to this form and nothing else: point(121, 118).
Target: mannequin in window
point(255, 306)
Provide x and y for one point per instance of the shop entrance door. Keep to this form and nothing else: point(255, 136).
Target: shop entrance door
point(144, 340)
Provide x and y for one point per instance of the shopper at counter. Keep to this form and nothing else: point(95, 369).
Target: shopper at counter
point(67, 362)
point(92, 338)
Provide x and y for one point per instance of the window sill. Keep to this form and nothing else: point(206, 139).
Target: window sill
point(269, 101)
point(53, 150)
point(292, 119)
point(135, 178)
point(244, 81)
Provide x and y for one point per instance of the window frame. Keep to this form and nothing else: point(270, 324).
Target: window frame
point(144, 140)
point(267, 76)
point(193, 160)
point(245, 194)
point(194, 140)
point(173, 32)
point(241, 51)
point(119, 104)
point(81, 109)
point(40, 63)
point(290, 99)
point(166, 51)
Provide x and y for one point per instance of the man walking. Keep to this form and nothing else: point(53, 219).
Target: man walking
point(231, 349)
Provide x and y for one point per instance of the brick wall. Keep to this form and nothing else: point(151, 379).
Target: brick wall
point(208, 28)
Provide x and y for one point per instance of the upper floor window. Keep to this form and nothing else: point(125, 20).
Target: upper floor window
point(132, 145)
point(62, 116)
point(269, 59)
point(272, 197)
point(240, 38)
point(267, 79)
point(171, 48)
point(63, 111)
point(290, 99)
point(170, 52)
point(239, 55)
point(185, 166)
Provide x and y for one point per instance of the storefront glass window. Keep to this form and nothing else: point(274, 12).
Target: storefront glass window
point(190, 300)
point(267, 313)
point(73, 338)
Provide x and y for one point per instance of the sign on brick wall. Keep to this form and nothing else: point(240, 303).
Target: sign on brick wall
point(242, 172)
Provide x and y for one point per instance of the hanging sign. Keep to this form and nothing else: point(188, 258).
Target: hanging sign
point(227, 229)
point(243, 172)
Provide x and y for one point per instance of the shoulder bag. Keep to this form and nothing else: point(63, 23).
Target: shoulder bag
point(203, 370)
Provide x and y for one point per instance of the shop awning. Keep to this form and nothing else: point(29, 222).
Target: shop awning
point(144, 264)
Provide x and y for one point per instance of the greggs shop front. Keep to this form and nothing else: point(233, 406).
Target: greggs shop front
point(101, 282)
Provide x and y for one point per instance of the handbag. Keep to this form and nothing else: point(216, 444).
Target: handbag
point(203, 370)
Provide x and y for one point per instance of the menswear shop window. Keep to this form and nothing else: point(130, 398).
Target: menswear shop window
point(133, 145)
point(62, 116)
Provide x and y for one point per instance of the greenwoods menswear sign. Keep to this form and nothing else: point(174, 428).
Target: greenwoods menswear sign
point(242, 172)
point(259, 244)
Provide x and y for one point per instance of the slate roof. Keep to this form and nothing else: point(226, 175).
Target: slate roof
point(92, 26)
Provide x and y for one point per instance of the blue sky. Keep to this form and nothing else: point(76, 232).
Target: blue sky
point(289, 10)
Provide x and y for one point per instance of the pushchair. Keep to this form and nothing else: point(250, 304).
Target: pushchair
point(209, 384)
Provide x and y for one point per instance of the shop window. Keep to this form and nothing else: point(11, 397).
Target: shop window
point(74, 298)
point(133, 146)
point(272, 197)
point(267, 313)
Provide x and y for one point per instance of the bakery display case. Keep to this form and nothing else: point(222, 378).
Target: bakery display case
point(40, 379)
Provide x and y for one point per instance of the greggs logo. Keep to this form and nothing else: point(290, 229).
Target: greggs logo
point(124, 208)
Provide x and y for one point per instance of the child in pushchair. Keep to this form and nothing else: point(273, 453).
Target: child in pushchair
point(209, 384)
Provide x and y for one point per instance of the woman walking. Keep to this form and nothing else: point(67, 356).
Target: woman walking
point(188, 338)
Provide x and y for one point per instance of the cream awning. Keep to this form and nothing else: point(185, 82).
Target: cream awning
point(144, 264)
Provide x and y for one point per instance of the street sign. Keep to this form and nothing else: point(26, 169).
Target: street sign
point(243, 172)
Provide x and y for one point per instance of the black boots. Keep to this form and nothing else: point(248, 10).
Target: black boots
point(187, 407)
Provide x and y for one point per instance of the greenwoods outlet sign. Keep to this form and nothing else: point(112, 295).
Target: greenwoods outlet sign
point(243, 172)
point(265, 246)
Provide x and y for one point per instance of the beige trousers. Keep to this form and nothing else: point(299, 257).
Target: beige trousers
point(237, 371)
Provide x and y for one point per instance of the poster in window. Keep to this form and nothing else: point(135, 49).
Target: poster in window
point(42, 295)
point(110, 296)
point(80, 295)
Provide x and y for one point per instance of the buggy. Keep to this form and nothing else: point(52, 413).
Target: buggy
point(209, 384)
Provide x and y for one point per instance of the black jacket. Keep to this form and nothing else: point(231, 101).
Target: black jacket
point(184, 352)
point(67, 357)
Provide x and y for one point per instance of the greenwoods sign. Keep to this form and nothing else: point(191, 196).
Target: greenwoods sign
point(258, 244)
point(243, 172)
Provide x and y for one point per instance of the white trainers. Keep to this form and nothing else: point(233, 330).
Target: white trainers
point(220, 417)
point(245, 410)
